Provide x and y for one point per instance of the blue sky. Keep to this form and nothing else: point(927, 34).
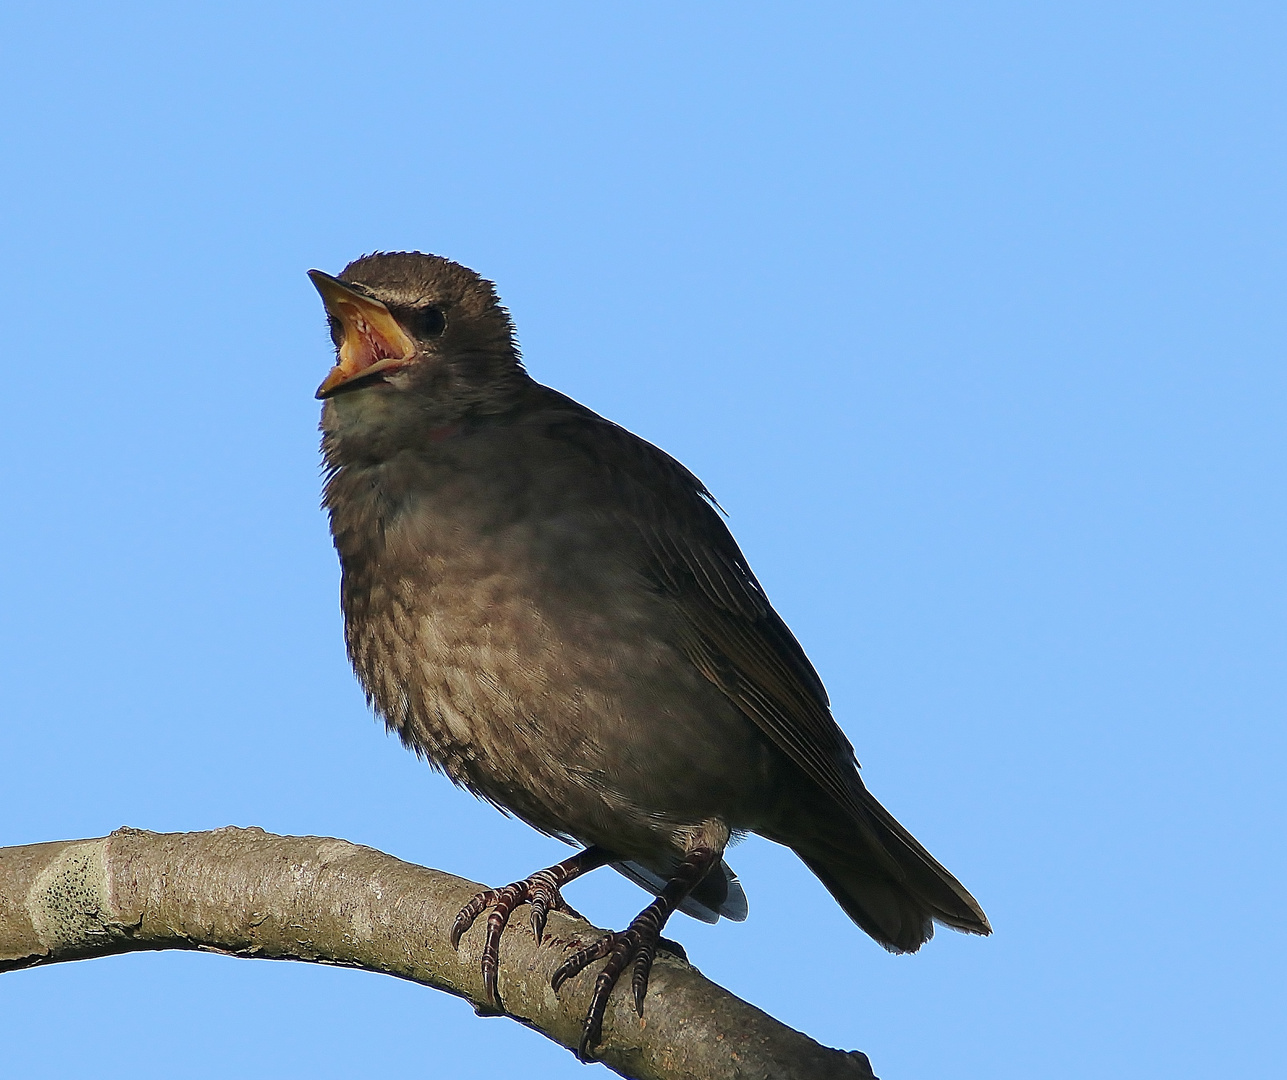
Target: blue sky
point(971, 317)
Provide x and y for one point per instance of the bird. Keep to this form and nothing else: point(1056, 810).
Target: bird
point(552, 611)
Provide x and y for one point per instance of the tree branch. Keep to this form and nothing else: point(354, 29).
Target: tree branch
point(245, 892)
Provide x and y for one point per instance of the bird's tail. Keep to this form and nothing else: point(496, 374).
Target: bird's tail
point(718, 893)
point(883, 878)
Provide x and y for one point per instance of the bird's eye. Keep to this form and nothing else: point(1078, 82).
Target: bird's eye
point(337, 330)
point(427, 322)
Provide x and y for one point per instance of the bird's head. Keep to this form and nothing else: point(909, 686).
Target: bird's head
point(416, 336)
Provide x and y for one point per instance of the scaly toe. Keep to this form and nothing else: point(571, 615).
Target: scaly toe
point(639, 978)
point(581, 959)
point(469, 913)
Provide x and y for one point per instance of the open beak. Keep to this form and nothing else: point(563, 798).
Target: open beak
point(373, 340)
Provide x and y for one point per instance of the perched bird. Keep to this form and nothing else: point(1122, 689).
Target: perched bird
point(552, 611)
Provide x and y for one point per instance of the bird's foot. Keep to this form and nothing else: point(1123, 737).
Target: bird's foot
point(637, 944)
point(635, 947)
point(541, 891)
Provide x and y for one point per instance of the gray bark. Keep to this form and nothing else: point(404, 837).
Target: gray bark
point(245, 892)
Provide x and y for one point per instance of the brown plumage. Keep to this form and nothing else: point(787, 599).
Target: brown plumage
point(550, 609)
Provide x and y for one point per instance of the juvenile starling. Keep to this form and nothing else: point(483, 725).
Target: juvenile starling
point(551, 611)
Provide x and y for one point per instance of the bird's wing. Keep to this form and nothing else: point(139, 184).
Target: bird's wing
point(731, 632)
point(741, 644)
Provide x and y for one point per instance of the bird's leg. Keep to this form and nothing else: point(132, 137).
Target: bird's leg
point(638, 943)
point(541, 890)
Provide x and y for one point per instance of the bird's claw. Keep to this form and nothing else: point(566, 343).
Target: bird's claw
point(643, 968)
point(541, 891)
point(543, 895)
point(583, 958)
point(639, 943)
point(538, 890)
point(471, 911)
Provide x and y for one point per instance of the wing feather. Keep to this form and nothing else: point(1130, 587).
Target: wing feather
point(731, 632)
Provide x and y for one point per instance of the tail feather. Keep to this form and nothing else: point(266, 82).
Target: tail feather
point(718, 893)
point(882, 877)
point(885, 911)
